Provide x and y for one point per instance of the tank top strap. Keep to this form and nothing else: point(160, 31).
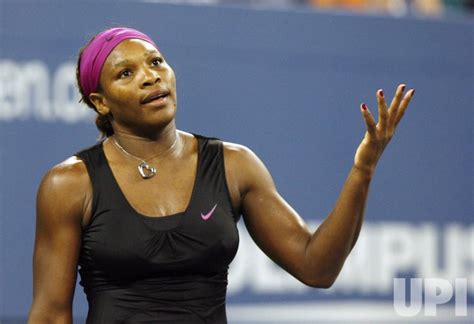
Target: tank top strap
point(92, 159)
point(211, 177)
point(95, 165)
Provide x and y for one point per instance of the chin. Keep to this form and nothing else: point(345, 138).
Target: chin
point(162, 118)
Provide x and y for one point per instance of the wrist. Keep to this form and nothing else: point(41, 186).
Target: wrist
point(364, 170)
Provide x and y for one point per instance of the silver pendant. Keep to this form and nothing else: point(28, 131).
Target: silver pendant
point(146, 170)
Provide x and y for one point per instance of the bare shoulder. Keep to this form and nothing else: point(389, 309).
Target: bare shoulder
point(70, 173)
point(235, 150)
point(246, 166)
point(66, 186)
point(238, 155)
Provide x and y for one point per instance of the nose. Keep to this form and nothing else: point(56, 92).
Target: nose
point(150, 77)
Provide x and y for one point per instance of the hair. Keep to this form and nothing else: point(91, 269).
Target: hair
point(103, 122)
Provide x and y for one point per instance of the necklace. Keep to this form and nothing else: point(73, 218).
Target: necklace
point(146, 170)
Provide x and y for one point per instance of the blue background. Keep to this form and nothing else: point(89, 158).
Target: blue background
point(287, 84)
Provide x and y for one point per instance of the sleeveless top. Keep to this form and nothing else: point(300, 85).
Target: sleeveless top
point(172, 269)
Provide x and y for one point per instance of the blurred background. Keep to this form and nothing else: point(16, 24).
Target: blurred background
point(285, 78)
point(420, 8)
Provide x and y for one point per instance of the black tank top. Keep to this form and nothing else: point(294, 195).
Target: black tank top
point(172, 269)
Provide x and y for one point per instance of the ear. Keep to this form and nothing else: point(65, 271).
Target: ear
point(99, 102)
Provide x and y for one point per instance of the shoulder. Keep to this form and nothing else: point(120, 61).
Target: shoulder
point(66, 185)
point(70, 172)
point(246, 166)
point(234, 154)
point(239, 154)
point(236, 151)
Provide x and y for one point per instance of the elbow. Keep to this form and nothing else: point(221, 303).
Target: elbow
point(318, 279)
point(321, 274)
point(48, 317)
point(320, 282)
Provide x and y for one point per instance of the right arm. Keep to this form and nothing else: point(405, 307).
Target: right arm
point(61, 202)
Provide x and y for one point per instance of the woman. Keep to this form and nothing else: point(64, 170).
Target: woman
point(149, 214)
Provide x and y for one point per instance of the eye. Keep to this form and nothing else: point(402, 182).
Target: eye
point(157, 61)
point(125, 73)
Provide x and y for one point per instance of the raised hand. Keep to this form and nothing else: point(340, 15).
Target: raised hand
point(379, 134)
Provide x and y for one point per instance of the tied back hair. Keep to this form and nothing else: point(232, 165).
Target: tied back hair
point(102, 122)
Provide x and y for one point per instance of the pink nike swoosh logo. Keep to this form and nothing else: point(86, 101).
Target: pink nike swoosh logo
point(208, 215)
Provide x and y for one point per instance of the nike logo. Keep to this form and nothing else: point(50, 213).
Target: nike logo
point(209, 214)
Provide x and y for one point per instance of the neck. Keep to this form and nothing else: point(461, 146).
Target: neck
point(167, 143)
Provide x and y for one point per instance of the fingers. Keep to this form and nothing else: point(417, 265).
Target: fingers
point(404, 105)
point(394, 105)
point(388, 118)
point(383, 111)
point(369, 119)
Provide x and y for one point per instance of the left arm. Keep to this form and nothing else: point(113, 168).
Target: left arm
point(315, 258)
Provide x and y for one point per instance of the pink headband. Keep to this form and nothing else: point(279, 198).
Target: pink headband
point(94, 55)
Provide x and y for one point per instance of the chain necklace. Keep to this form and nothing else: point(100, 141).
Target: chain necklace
point(146, 170)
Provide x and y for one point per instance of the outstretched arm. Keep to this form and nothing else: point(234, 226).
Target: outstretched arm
point(316, 258)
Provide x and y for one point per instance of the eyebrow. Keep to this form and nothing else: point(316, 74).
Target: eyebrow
point(152, 52)
point(147, 53)
point(124, 62)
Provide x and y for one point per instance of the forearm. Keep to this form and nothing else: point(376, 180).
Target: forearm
point(368, 175)
point(332, 242)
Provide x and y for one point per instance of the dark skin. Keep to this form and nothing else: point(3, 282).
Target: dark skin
point(133, 70)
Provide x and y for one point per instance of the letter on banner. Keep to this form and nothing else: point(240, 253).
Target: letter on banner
point(11, 89)
point(35, 83)
point(398, 252)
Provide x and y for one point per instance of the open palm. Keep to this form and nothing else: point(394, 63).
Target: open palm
point(379, 134)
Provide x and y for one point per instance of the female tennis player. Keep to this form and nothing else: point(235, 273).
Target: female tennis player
point(149, 213)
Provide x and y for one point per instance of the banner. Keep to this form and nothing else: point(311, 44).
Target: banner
point(287, 84)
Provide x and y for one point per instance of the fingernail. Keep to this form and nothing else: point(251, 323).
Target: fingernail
point(403, 88)
point(381, 93)
point(413, 93)
point(364, 106)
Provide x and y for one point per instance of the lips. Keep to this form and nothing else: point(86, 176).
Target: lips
point(156, 95)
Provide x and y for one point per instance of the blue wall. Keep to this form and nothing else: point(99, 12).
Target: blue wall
point(286, 84)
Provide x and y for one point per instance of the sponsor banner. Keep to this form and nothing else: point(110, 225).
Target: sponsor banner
point(288, 85)
point(384, 251)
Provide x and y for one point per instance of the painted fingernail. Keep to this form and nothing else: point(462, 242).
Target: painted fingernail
point(364, 106)
point(381, 93)
point(403, 88)
point(413, 92)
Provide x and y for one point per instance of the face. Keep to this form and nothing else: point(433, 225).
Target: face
point(138, 88)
